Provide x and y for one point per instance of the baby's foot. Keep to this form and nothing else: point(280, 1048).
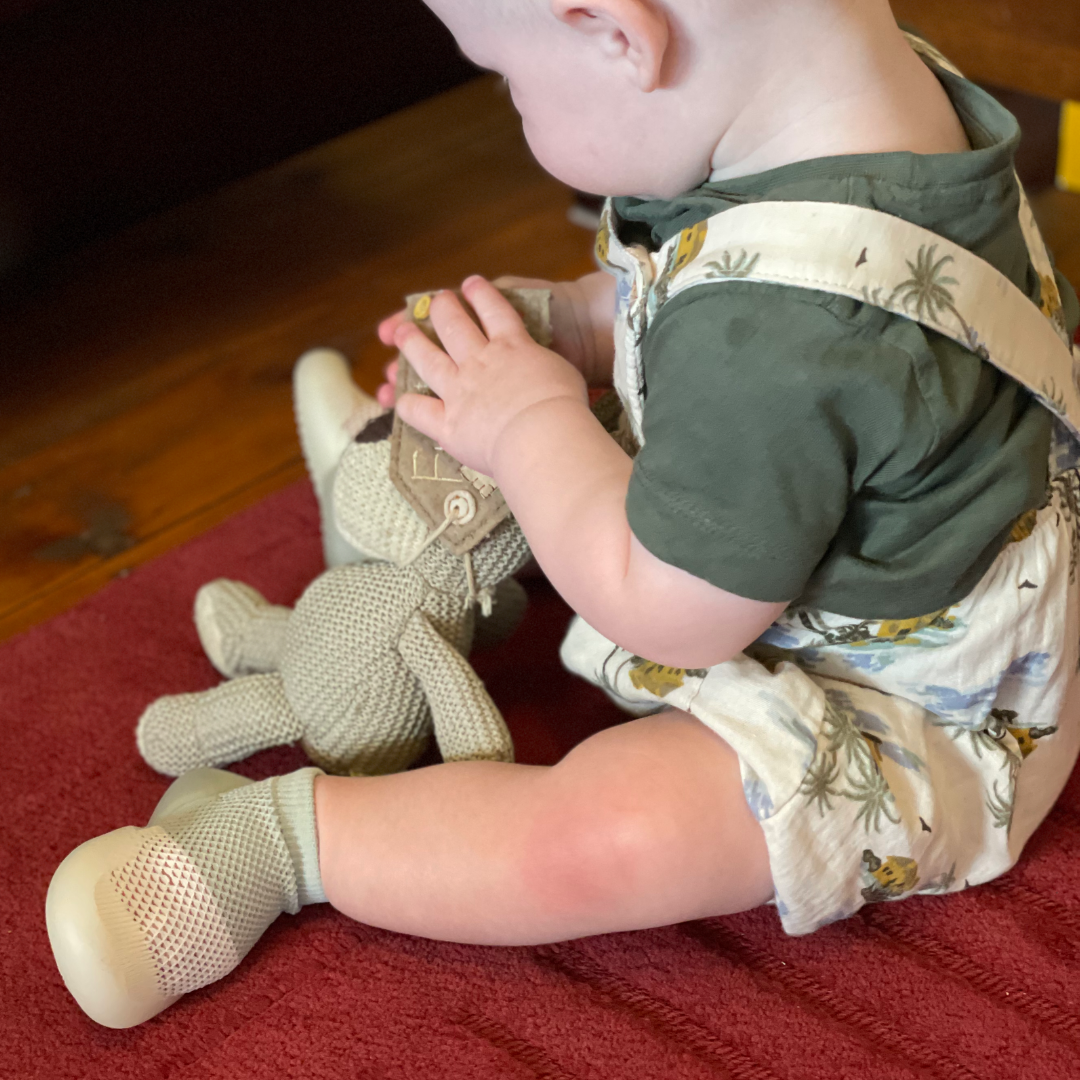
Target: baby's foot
point(330, 410)
point(240, 632)
point(139, 917)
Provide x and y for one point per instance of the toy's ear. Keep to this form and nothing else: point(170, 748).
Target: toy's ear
point(369, 510)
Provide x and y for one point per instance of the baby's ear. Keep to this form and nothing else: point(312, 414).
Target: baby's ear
point(633, 31)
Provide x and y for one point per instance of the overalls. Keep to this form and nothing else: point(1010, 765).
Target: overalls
point(883, 758)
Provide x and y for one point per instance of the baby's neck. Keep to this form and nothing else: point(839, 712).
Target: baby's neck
point(859, 89)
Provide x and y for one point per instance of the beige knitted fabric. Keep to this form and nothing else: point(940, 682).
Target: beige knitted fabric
point(346, 687)
point(228, 723)
point(371, 514)
point(467, 724)
point(240, 632)
point(329, 408)
point(203, 884)
point(333, 672)
point(362, 710)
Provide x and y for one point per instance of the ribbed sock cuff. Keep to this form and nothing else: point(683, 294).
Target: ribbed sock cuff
point(294, 797)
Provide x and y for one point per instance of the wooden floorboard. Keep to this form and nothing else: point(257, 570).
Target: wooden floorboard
point(145, 393)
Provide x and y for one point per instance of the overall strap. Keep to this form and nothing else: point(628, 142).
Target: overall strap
point(866, 255)
point(883, 260)
point(1036, 246)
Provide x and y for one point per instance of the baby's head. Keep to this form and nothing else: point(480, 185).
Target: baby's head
point(632, 97)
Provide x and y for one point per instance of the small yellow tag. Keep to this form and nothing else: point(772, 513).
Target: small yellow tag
point(1068, 172)
point(423, 306)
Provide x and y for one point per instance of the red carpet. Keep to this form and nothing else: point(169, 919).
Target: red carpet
point(981, 985)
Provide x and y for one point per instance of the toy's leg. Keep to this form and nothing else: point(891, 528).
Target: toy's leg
point(230, 722)
point(138, 917)
point(240, 632)
point(330, 409)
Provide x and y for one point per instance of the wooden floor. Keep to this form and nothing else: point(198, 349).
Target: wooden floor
point(145, 396)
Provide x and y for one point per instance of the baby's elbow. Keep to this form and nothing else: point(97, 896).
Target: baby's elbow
point(678, 638)
point(688, 650)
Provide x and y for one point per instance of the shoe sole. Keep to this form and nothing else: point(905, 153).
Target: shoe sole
point(101, 952)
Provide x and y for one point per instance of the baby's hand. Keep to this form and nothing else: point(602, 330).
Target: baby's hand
point(488, 376)
point(387, 391)
point(581, 327)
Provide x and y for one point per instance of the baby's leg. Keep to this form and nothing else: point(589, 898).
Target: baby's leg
point(641, 825)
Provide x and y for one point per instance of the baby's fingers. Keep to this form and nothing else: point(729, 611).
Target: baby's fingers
point(496, 313)
point(429, 361)
point(426, 414)
point(388, 327)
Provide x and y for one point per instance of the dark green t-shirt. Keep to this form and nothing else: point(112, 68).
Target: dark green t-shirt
point(807, 447)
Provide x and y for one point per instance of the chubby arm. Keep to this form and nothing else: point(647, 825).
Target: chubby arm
point(520, 413)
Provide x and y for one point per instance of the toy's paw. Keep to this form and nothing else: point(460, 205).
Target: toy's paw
point(330, 410)
point(228, 723)
point(240, 632)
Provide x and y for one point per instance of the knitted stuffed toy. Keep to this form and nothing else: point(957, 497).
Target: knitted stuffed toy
point(372, 659)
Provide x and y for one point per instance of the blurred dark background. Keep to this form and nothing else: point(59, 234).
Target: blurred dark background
point(111, 110)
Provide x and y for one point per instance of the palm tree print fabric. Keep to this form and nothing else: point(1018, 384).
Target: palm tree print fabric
point(893, 758)
point(883, 758)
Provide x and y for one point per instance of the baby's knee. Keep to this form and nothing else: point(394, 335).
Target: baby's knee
point(589, 854)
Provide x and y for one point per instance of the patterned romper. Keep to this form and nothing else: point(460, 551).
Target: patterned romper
point(883, 758)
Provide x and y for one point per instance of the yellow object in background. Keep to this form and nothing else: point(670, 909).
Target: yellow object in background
point(1068, 172)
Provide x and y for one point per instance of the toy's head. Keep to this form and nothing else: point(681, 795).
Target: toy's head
point(369, 510)
point(375, 517)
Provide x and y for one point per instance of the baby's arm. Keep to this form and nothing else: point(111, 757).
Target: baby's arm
point(520, 413)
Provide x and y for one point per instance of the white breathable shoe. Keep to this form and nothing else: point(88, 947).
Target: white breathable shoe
point(101, 952)
point(330, 408)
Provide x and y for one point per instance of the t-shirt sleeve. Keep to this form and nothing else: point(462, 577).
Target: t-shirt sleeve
point(758, 401)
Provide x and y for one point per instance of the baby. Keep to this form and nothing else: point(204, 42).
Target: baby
point(835, 584)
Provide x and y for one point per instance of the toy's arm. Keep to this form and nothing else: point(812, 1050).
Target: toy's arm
point(468, 726)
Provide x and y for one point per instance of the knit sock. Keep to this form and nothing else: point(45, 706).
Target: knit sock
point(241, 633)
point(139, 917)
